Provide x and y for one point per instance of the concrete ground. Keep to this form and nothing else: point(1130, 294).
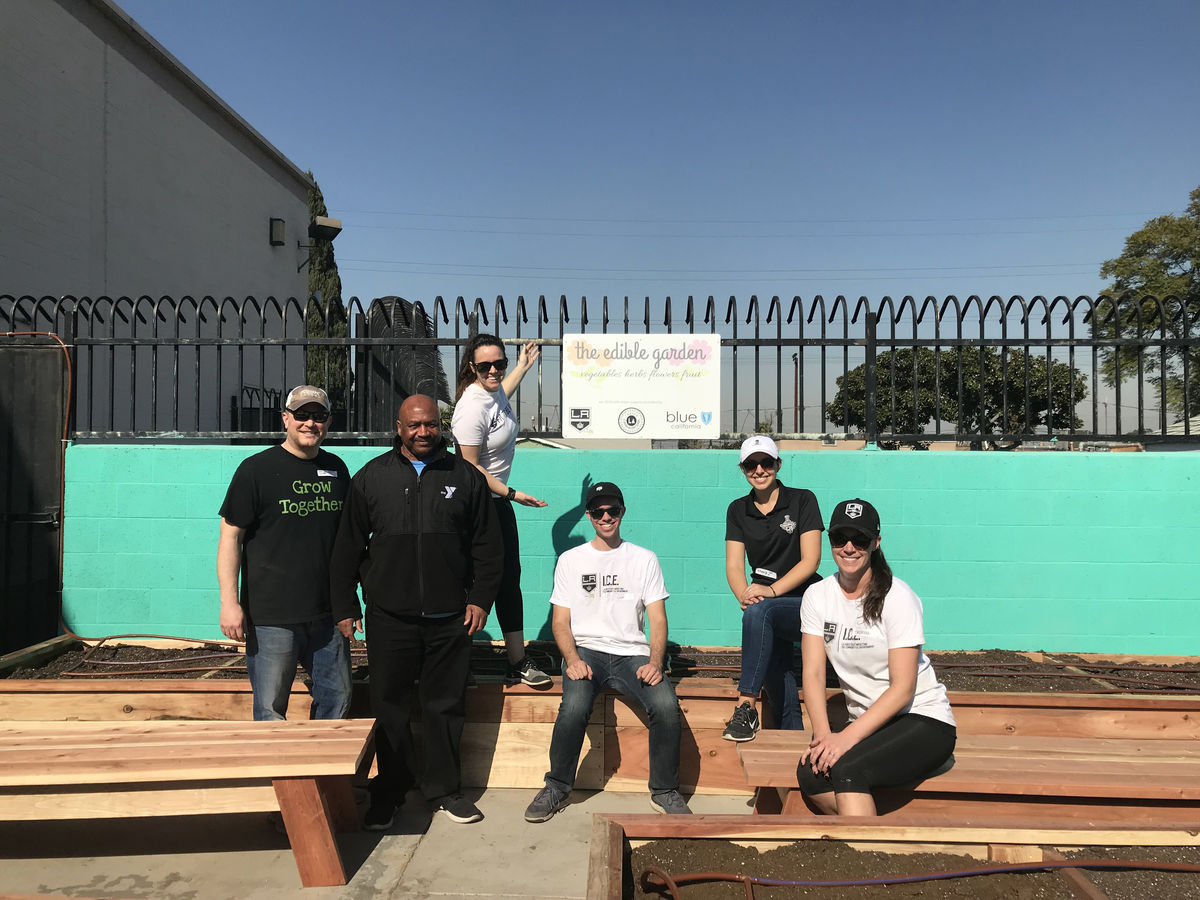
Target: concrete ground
point(243, 857)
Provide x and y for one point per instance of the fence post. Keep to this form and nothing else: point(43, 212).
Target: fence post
point(869, 400)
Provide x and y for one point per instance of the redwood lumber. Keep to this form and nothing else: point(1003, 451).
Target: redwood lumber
point(65, 770)
point(1080, 886)
point(1031, 828)
point(310, 832)
point(707, 763)
point(606, 863)
point(1093, 780)
point(35, 654)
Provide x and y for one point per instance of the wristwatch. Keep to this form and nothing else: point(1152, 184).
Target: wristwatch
point(512, 493)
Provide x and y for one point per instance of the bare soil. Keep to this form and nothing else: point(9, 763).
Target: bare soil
point(826, 861)
point(988, 670)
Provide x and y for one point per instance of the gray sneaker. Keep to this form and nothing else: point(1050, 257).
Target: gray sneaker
point(527, 672)
point(548, 801)
point(671, 803)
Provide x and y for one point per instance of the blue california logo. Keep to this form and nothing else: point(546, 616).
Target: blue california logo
point(706, 417)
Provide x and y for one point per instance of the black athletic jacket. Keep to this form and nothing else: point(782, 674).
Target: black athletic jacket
point(419, 546)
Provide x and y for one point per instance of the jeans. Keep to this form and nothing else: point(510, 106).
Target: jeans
point(272, 652)
point(770, 629)
point(658, 702)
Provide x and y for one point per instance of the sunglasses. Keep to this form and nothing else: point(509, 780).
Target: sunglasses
point(599, 512)
point(486, 366)
point(769, 464)
point(861, 541)
point(320, 416)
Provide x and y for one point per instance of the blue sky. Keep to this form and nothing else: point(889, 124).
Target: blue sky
point(663, 148)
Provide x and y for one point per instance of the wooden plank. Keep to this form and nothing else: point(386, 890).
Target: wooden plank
point(698, 712)
point(126, 801)
point(517, 755)
point(1014, 853)
point(1080, 886)
point(1083, 810)
point(1067, 701)
point(131, 706)
point(172, 726)
point(310, 832)
point(339, 800)
point(1027, 829)
point(36, 654)
point(504, 703)
point(707, 763)
point(606, 863)
point(1048, 778)
point(79, 685)
point(793, 742)
point(239, 742)
point(166, 751)
point(1131, 724)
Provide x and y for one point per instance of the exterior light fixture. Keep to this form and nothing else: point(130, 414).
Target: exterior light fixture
point(321, 228)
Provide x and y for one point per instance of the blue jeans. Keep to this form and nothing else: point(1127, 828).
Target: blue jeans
point(272, 652)
point(658, 702)
point(770, 629)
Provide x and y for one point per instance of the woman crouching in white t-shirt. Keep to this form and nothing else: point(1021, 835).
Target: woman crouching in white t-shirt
point(485, 434)
point(870, 626)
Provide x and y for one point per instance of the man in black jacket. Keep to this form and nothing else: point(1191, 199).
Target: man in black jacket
point(418, 532)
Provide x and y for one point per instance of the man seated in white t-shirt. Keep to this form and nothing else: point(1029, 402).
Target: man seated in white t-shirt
point(604, 591)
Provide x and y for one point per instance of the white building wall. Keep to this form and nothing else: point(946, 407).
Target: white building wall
point(124, 175)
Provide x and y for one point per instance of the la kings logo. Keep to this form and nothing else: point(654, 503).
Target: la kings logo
point(788, 524)
point(830, 631)
point(588, 583)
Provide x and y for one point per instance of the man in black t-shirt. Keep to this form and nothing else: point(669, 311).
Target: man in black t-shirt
point(278, 523)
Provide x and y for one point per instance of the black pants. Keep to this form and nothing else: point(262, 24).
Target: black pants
point(436, 653)
point(510, 605)
point(905, 749)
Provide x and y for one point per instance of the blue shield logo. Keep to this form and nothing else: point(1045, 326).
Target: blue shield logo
point(706, 417)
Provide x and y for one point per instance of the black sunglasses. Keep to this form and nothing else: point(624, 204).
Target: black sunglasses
point(768, 463)
point(320, 416)
point(486, 366)
point(861, 541)
point(598, 512)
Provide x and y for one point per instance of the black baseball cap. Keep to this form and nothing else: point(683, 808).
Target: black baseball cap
point(855, 515)
point(600, 490)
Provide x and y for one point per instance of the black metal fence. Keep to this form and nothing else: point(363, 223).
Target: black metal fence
point(982, 371)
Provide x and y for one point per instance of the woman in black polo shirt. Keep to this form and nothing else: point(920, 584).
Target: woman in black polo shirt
point(776, 529)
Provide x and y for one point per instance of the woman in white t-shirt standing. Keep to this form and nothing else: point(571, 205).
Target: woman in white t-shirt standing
point(485, 434)
point(870, 626)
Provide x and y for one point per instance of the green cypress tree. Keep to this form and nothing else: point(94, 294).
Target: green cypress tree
point(325, 315)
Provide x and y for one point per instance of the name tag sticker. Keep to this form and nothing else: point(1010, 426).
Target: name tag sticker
point(326, 473)
point(767, 573)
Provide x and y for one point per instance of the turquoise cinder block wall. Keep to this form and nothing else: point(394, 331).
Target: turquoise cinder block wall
point(1029, 551)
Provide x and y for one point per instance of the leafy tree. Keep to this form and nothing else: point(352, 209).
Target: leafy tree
point(992, 397)
point(325, 316)
point(1160, 260)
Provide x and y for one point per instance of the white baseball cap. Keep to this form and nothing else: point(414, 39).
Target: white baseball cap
point(760, 443)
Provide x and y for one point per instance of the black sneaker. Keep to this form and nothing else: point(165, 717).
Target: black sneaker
point(527, 673)
point(671, 803)
point(744, 724)
point(381, 813)
point(548, 801)
point(459, 809)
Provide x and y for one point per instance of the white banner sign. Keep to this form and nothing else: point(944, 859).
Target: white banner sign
point(641, 385)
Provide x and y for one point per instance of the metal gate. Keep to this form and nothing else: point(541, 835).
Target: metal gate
point(32, 406)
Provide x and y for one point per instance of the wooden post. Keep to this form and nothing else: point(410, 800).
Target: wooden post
point(310, 832)
point(606, 863)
